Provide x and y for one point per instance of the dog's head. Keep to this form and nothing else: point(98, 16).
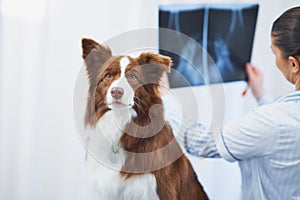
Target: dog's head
point(121, 82)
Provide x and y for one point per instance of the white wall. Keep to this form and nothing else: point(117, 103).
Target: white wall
point(41, 156)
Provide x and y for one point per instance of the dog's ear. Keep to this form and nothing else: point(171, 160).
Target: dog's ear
point(94, 55)
point(158, 59)
point(87, 46)
point(152, 65)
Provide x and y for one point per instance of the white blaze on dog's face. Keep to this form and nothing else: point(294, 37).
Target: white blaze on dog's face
point(120, 94)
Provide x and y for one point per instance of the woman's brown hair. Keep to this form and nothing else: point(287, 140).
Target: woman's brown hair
point(286, 32)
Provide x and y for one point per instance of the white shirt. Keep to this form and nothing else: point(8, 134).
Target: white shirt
point(266, 143)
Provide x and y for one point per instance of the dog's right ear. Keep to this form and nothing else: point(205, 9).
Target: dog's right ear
point(94, 55)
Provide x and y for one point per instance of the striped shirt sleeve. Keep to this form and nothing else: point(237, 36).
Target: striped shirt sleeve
point(196, 139)
point(199, 141)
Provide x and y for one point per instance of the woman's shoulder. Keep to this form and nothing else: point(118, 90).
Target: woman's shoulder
point(280, 112)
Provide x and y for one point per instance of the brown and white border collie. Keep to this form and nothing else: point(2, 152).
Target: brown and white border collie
point(125, 106)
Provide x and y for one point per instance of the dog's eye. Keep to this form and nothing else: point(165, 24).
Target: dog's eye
point(107, 76)
point(132, 78)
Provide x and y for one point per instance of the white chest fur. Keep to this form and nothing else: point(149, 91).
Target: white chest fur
point(111, 186)
point(109, 183)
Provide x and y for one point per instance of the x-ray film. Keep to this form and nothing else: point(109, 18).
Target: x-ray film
point(225, 32)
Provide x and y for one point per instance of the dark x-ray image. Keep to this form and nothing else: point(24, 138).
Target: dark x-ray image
point(225, 32)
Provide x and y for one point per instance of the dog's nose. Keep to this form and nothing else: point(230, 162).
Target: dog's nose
point(117, 92)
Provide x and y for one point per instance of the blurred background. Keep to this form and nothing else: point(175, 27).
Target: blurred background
point(41, 155)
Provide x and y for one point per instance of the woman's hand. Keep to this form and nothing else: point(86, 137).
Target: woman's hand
point(255, 81)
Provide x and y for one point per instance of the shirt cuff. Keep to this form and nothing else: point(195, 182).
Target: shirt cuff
point(265, 99)
point(222, 148)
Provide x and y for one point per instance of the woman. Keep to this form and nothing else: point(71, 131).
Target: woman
point(266, 142)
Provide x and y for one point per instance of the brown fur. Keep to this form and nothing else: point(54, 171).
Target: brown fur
point(147, 132)
point(99, 62)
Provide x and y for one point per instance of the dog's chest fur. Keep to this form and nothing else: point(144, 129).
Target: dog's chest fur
point(109, 183)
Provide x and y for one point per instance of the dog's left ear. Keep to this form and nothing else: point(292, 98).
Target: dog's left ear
point(158, 59)
point(87, 46)
point(95, 56)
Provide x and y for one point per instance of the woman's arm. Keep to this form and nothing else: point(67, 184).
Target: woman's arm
point(192, 135)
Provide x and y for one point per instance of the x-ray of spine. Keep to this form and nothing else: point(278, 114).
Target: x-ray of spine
point(225, 32)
